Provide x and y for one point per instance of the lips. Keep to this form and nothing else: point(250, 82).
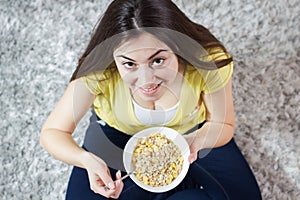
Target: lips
point(151, 89)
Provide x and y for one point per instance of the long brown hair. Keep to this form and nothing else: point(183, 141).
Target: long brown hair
point(123, 16)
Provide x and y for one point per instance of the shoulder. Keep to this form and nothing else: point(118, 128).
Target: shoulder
point(98, 81)
point(209, 81)
point(217, 53)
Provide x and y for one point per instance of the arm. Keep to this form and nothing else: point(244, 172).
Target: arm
point(56, 135)
point(56, 138)
point(220, 124)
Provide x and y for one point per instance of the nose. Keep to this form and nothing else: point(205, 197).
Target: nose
point(145, 75)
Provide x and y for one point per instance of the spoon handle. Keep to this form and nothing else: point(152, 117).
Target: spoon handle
point(125, 176)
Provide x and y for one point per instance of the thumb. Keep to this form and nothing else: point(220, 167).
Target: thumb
point(118, 177)
point(192, 157)
point(118, 174)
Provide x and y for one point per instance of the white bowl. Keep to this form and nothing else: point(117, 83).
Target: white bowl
point(171, 134)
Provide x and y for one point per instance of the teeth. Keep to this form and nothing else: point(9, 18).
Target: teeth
point(149, 89)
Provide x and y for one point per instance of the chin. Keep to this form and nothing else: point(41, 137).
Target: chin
point(149, 98)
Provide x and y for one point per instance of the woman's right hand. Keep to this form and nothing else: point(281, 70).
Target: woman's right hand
point(100, 178)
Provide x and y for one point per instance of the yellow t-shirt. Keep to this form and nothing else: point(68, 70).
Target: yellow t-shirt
point(113, 102)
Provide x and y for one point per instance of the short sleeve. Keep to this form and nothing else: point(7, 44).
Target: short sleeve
point(92, 81)
point(213, 80)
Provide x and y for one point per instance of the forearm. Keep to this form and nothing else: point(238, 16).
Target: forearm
point(62, 146)
point(213, 134)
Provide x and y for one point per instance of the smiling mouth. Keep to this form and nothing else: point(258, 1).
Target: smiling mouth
point(150, 90)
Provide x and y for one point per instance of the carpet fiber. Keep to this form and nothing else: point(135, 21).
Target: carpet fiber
point(42, 40)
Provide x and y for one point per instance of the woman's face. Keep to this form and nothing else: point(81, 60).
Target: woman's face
point(147, 66)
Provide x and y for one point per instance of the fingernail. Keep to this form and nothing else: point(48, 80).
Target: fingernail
point(111, 186)
point(119, 173)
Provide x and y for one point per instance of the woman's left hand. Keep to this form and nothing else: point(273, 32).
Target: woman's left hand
point(192, 140)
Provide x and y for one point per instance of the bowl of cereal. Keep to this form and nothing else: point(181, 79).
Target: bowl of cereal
point(157, 158)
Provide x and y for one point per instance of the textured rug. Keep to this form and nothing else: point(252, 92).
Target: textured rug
point(41, 41)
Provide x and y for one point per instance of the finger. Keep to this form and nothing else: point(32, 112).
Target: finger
point(119, 185)
point(108, 172)
point(107, 192)
point(106, 179)
point(97, 186)
point(192, 157)
point(118, 174)
point(114, 193)
point(118, 181)
point(104, 173)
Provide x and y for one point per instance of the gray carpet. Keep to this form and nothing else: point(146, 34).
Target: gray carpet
point(42, 40)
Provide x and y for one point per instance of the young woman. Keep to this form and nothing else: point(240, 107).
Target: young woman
point(148, 65)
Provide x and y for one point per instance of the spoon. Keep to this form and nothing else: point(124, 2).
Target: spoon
point(128, 174)
point(122, 178)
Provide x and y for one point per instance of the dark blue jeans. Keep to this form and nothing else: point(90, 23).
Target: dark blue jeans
point(218, 173)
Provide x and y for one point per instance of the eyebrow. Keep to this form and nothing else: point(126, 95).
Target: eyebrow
point(157, 52)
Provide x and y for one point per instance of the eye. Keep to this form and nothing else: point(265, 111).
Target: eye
point(129, 65)
point(158, 62)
